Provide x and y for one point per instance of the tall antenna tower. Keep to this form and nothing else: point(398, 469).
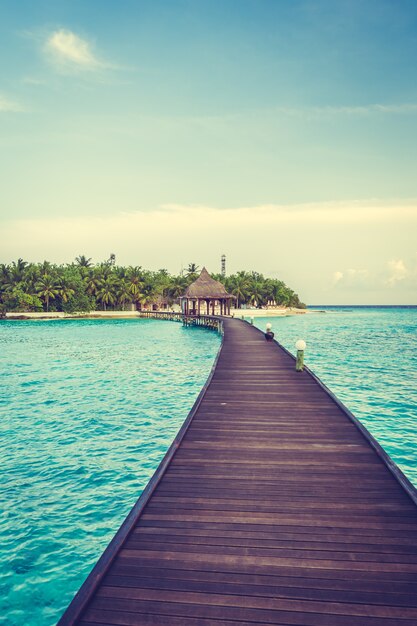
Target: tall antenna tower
point(223, 260)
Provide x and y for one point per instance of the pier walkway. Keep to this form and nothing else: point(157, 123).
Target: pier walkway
point(272, 507)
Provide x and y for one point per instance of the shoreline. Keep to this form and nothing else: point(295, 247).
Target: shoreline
point(237, 313)
point(284, 312)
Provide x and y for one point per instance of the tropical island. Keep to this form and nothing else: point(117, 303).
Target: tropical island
point(82, 286)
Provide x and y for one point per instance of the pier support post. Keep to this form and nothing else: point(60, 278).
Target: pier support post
point(301, 346)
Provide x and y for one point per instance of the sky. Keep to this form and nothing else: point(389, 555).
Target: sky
point(282, 133)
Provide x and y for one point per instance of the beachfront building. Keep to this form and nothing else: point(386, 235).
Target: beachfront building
point(206, 296)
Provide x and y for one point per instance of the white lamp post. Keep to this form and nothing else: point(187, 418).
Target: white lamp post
point(300, 346)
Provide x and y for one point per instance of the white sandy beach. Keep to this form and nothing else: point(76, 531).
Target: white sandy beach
point(240, 313)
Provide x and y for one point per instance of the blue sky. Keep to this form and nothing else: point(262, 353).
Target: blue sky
point(282, 133)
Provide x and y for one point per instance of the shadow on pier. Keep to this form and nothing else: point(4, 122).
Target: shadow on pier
point(272, 506)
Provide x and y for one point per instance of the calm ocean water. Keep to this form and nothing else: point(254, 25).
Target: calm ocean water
point(368, 357)
point(90, 407)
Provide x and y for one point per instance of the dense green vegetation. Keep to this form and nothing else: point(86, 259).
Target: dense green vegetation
point(82, 286)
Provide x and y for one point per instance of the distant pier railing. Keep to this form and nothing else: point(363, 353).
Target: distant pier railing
point(207, 321)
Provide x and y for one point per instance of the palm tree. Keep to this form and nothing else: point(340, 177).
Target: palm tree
point(149, 292)
point(47, 289)
point(45, 268)
point(4, 273)
point(105, 270)
point(22, 283)
point(17, 270)
point(282, 295)
point(120, 272)
point(161, 281)
point(31, 277)
point(177, 287)
point(192, 270)
point(124, 293)
point(65, 289)
point(134, 277)
point(93, 281)
point(219, 277)
point(269, 289)
point(82, 261)
point(5, 280)
point(239, 287)
point(292, 297)
point(107, 292)
point(257, 294)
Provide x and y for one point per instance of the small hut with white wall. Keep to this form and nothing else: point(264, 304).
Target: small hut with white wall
point(205, 296)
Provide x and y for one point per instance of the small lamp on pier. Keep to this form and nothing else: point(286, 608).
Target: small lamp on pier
point(300, 346)
point(269, 335)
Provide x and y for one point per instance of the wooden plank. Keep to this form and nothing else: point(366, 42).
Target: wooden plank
point(278, 529)
point(272, 550)
point(220, 555)
point(176, 562)
point(120, 611)
point(305, 590)
point(396, 544)
point(254, 602)
point(322, 581)
point(240, 539)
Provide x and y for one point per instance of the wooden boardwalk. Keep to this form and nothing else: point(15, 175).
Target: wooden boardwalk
point(274, 509)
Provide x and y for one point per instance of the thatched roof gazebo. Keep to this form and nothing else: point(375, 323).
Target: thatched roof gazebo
point(206, 289)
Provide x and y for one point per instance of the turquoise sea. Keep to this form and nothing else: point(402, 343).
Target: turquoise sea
point(89, 407)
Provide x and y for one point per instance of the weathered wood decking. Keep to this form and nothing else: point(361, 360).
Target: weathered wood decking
point(275, 509)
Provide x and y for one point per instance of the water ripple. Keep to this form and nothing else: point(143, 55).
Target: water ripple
point(89, 409)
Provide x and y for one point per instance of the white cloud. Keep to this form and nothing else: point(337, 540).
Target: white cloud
point(328, 213)
point(295, 243)
point(394, 273)
point(352, 278)
point(7, 105)
point(397, 271)
point(70, 52)
point(337, 277)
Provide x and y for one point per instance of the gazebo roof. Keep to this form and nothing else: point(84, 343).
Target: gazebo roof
point(206, 287)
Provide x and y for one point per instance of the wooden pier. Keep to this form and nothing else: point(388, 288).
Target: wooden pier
point(272, 506)
point(208, 321)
